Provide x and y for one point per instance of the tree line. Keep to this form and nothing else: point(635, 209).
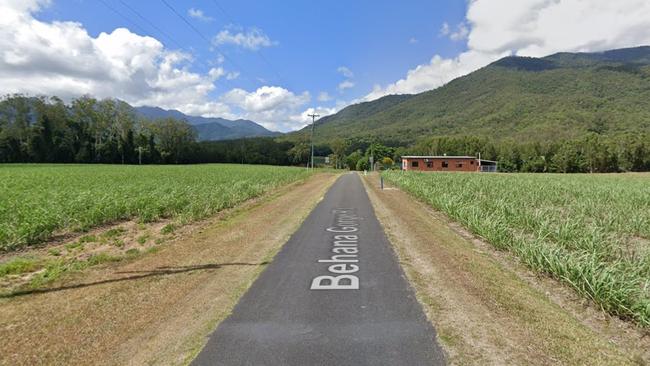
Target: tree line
point(46, 130)
point(591, 153)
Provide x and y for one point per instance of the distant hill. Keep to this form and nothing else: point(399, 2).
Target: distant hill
point(564, 95)
point(211, 129)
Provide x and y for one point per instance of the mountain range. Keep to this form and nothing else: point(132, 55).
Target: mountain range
point(210, 129)
point(561, 96)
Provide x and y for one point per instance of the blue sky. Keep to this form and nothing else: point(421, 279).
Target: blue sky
point(376, 40)
point(275, 62)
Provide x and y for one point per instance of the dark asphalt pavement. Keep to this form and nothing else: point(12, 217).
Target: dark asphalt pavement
point(282, 321)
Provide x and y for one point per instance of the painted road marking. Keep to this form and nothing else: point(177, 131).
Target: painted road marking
point(345, 246)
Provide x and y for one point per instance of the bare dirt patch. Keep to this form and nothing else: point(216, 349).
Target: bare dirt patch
point(156, 308)
point(488, 309)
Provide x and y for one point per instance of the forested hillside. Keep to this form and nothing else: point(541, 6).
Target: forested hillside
point(562, 96)
point(562, 113)
point(210, 129)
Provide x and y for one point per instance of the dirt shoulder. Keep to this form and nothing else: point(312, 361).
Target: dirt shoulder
point(157, 308)
point(488, 309)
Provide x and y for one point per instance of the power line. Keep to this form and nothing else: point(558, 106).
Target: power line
point(223, 11)
point(151, 24)
point(202, 36)
point(185, 21)
point(123, 16)
point(259, 53)
point(162, 32)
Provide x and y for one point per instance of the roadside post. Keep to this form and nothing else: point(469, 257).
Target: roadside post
point(381, 180)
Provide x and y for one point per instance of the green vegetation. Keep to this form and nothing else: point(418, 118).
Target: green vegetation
point(55, 268)
point(589, 231)
point(562, 113)
point(591, 153)
point(168, 229)
point(559, 97)
point(45, 130)
point(44, 199)
point(142, 239)
point(18, 265)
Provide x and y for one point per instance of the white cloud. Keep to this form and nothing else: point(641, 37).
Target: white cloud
point(495, 28)
point(324, 97)
point(61, 58)
point(348, 74)
point(345, 72)
point(413, 40)
point(461, 32)
point(302, 119)
point(346, 84)
point(216, 72)
point(271, 106)
point(199, 14)
point(444, 30)
point(252, 39)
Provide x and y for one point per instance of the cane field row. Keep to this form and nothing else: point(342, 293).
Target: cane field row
point(589, 231)
point(37, 201)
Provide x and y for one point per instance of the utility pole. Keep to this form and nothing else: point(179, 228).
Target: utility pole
point(313, 120)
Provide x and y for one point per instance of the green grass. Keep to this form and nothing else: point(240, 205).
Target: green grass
point(39, 200)
point(18, 265)
point(589, 231)
point(56, 268)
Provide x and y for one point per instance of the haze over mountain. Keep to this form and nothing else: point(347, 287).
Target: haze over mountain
point(210, 129)
point(564, 95)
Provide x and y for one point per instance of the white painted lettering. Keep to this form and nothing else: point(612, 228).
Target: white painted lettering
point(335, 283)
point(340, 258)
point(342, 229)
point(345, 250)
point(346, 237)
point(343, 268)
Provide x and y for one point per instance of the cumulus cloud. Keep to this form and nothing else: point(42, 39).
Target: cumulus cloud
point(251, 39)
point(61, 58)
point(496, 28)
point(346, 84)
point(445, 29)
point(199, 14)
point(460, 33)
point(324, 97)
point(302, 119)
point(345, 72)
point(271, 106)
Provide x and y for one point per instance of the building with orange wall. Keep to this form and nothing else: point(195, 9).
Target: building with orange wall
point(448, 164)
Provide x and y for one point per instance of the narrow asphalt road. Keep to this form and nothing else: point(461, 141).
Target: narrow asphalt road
point(334, 295)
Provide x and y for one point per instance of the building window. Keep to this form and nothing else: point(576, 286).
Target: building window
point(459, 165)
point(414, 164)
point(445, 164)
point(472, 162)
point(429, 164)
